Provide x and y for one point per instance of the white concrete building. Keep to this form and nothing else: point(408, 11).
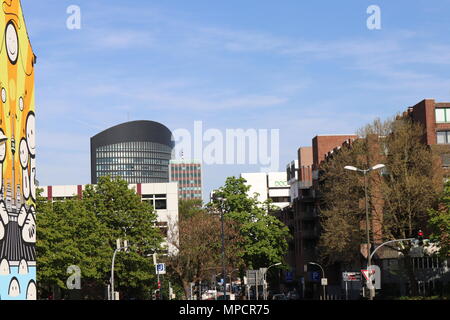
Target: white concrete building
point(273, 185)
point(162, 196)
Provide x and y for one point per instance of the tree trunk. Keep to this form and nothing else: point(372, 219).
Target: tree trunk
point(187, 289)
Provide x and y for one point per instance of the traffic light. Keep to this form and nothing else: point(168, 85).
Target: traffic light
point(420, 237)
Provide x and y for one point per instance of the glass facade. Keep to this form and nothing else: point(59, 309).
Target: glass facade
point(135, 162)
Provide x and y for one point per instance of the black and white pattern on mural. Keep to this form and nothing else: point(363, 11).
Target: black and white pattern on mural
point(17, 212)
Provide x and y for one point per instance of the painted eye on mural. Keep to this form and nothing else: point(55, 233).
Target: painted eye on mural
point(23, 153)
point(22, 216)
point(23, 267)
point(31, 291)
point(3, 95)
point(2, 147)
point(31, 136)
point(4, 213)
point(21, 104)
point(29, 230)
point(12, 42)
point(4, 268)
point(14, 288)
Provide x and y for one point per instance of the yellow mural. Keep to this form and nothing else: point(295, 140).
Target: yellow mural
point(17, 157)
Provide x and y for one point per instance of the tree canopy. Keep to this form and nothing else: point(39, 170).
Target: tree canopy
point(440, 223)
point(264, 237)
point(83, 232)
point(399, 196)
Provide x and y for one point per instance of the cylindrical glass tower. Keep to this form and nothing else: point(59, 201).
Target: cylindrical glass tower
point(137, 151)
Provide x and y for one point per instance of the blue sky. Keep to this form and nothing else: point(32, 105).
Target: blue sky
point(304, 67)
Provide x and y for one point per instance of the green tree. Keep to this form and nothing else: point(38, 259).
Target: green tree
point(68, 234)
point(126, 217)
point(187, 208)
point(264, 237)
point(440, 223)
point(83, 232)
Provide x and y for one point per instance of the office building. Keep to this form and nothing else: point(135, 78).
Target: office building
point(188, 174)
point(137, 151)
point(271, 185)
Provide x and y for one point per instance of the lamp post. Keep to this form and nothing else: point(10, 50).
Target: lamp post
point(224, 274)
point(125, 248)
point(365, 172)
point(265, 277)
point(323, 276)
point(231, 279)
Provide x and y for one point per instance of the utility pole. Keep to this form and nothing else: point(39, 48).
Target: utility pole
point(265, 279)
point(369, 262)
point(118, 248)
point(323, 277)
point(221, 201)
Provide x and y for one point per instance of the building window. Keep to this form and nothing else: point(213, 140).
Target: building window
point(443, 137)
point(442, 115)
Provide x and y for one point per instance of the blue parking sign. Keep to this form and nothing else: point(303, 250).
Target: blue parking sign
point(161, 268)
point(289, 276)
point(315, 276)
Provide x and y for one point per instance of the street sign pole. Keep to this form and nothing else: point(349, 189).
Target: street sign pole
point(256, 286)
point(159, 284)
point(346, 290)
point(324, 284)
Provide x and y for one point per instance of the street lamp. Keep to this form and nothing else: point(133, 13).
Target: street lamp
point(265, 277)
point(365, 172)
point(119, 247)
point(221, 201)
point(323, 277)
point(231, 280)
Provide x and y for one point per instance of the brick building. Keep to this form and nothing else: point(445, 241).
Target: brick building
point(302, 216)
point(435, 118)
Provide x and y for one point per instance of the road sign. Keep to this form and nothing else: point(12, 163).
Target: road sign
point(368, 274)
point(324, 281)
point(289, 277)
point(373, 276)
point(160, 268)
point(315, 276)
point(351, 276)
point(252, 276)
